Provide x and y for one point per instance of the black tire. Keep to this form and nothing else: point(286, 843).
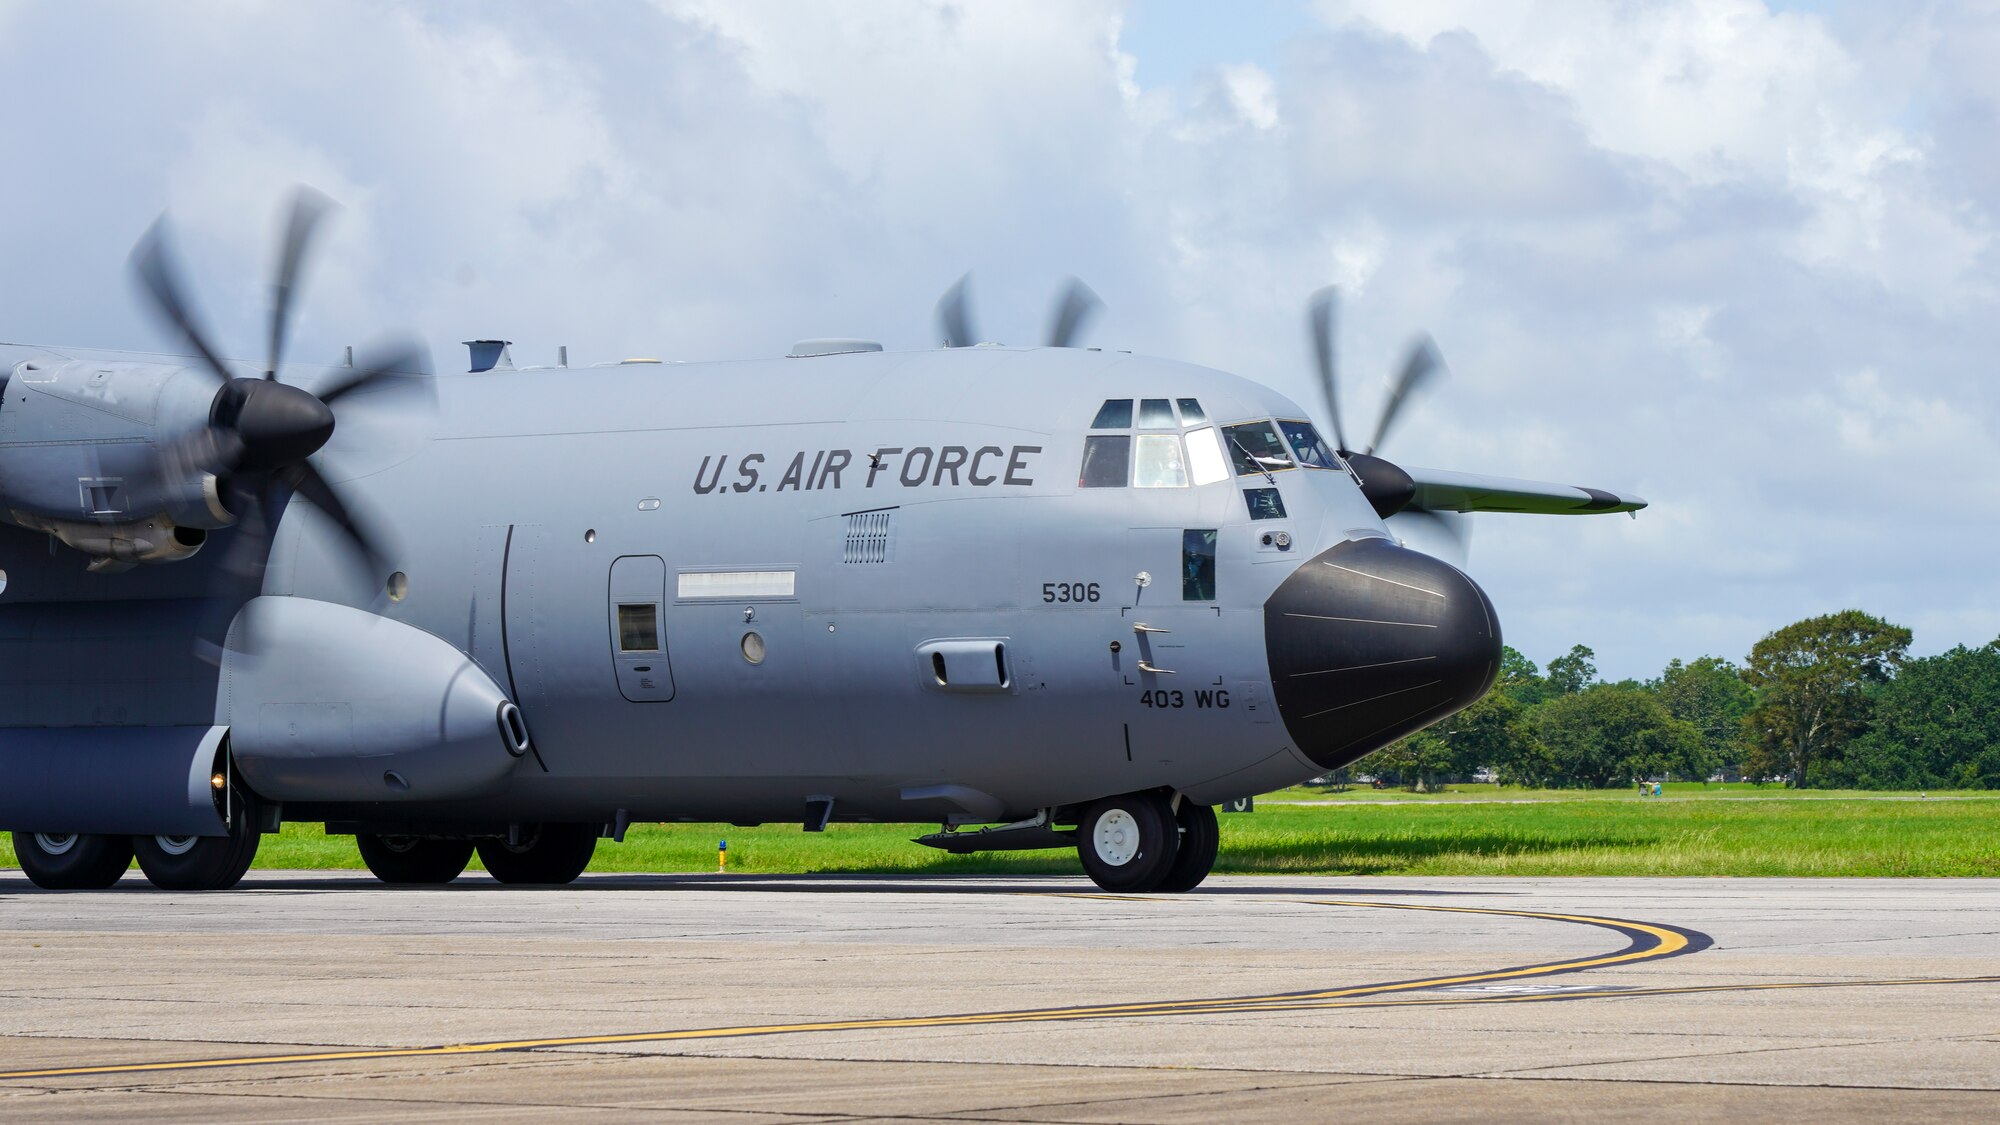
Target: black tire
point(414, 860)
point(71, 861)
point(202, 863)
point(1127, 843)
point(547, 853)
point(1196, 854)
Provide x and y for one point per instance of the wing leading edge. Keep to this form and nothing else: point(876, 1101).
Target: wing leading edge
point(1439, 490)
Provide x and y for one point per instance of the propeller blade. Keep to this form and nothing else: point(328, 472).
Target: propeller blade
point(1321, 317)
point(1076, 306)
point(954, 316)
point(239, 576)
point(1419, 367)
point(406, 359)
point(153, 265)
point(308, 208)
point(306, 479)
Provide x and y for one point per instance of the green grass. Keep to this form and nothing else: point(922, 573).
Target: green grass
point(1474, 830)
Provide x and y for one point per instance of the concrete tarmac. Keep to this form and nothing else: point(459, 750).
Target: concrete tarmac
point(749, 999)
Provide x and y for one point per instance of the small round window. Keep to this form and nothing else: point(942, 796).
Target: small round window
point(398, 586)
point(753, 648)
point(3, 581)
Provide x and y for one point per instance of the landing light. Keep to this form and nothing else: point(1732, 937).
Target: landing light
point(217, 781)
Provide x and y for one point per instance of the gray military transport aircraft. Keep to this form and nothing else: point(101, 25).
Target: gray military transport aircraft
point(1042, 596)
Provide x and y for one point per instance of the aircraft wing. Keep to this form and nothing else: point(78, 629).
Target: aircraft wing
point(1439, 490)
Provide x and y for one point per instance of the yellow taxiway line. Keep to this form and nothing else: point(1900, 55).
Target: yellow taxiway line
point(1648, 942)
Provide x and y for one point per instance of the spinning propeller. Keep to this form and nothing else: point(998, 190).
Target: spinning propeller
point(261, 433)
point(1385, 484)
point(1073, 308)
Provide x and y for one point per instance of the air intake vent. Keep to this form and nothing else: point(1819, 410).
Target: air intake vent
point(871, 537)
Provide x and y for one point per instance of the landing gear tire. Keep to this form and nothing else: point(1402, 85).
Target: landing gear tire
point(202, 863)
point(413, 860)
point(547, 853)
point(1128, 843)
point(72, 861)
point(1196, 854)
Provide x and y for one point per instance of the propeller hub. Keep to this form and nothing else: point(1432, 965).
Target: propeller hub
point(278, 424)
point(1388, 488)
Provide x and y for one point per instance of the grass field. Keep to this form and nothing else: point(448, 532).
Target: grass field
point(1468, 830)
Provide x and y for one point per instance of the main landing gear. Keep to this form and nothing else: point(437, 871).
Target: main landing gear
point(1143, 842)
point(72, 861)
point(75, 861)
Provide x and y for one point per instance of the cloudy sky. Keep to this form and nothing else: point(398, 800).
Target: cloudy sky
point(1736, 257)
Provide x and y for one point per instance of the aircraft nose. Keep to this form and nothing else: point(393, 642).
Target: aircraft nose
point(1369, 642)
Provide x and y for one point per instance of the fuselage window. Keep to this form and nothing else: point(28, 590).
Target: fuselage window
point(1198, 565)
point(1115, 414)
point(1191, 411)
point(1205, 461)
point(638, 627)
point(1306, 442)
point(1155, 413)
point(1265, 503)
point(1159, 462)
point(1107, 461)
point(1255, 448)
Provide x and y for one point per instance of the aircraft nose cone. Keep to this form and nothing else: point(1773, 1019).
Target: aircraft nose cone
point(278, 424)
point(1369, 642)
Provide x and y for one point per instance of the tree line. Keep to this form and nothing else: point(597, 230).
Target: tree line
point(1828, 702)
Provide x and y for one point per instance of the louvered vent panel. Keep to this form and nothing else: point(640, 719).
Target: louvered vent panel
point(871, 537)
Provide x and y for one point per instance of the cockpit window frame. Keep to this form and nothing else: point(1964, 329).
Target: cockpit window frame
point(1332, 458)
point(1243, 460)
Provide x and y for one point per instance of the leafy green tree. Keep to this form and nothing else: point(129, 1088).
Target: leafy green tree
point(1492, 733)
point(1936, 726)
point(1611, 735)
point(1417, 762)
point(1519, 679)
point(1573, 671)
point(1710, 695)
point(1813, 679)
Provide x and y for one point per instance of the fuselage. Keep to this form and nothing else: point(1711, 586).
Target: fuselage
point(953, 585)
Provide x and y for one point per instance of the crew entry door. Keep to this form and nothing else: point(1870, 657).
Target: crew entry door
point(638, 603)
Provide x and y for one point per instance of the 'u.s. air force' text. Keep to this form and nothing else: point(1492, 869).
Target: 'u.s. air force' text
point(920, 466)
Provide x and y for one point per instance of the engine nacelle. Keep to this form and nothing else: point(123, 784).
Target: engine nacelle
point(81, 456)
point(326, 703)
point(119, 545)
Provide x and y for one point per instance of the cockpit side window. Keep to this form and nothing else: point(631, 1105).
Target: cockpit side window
point(1311, 449)
point(1155, 413)
point(1115, 414)
point(1107, 460)
point(1254, 448)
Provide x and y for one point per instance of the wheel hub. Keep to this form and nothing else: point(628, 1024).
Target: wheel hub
point(1116, 837)
point(55, 843)
point(176, 845)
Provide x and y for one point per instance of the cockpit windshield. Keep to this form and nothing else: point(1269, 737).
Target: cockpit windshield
point(1306, 442)
point(1255, 448)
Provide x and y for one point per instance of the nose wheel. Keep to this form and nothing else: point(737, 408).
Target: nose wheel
point(1140, 842)
point(414, 860)
point(542, 853)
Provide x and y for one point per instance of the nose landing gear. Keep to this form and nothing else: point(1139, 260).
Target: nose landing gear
point(541, 853)
point(1141, 842)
